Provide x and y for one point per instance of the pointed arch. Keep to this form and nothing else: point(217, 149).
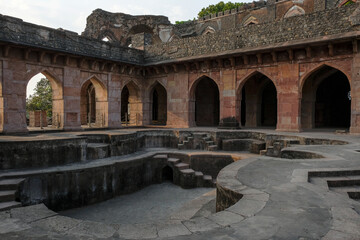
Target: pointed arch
point(319, 67)
point(204, 102)
point(57, 115)
point(94, 102)
point(325, 98)
point(208, 30)
point(131, 104)
point(250, 20)
point(294, 11)
point(158, 103)
point(256, 100)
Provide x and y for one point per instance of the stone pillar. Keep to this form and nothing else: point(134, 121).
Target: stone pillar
point(177, 100)
point(114, 102)
point(288, 98)
point(355, 95)
point(228, 100)
point(72, 94)
point(14, 97)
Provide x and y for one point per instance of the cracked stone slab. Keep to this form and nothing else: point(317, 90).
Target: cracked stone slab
point(137, 231)
point(200, 224)
point(57, 223)
point(172, 229)
point(247, 208)
point(32, 213)
point(93, 229)
point(264, 197)
point(346, 220)
point(225, 218)
point(337, 235)
point(8, 225)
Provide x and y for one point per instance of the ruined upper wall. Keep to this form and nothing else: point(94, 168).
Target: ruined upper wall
point(309, 26)
point(16, 31)
point(120, 27)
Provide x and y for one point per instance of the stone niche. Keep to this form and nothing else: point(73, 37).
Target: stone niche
point(35, 117)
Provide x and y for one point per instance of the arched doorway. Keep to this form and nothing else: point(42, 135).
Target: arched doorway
point(44, 102)
point(207, 102)
point(158, 105)
point(167, 174)
point(326, 100)
point(258, 102)
point(131, 106)
point(94, 105)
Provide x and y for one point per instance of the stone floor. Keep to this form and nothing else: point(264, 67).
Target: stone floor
point(156, 203)
point(279, 203)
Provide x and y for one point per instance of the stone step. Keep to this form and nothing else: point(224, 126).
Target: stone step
point(190, 138)
point(210, 143)
point(181, 146)
point(352, 192)
point(182, 166)
point(187, 171)
point(208, 181)
point(160, 156)
point(263, 152)
point(207, 139)
point(212, 148)
point(10, 184)
point(339, 173)
point(6, 196)
point(344, 182)
point(9, 205)
point(199, 174)
point(173, 161)
point(97, 151)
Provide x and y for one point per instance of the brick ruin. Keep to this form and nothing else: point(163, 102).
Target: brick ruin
point(290, 65)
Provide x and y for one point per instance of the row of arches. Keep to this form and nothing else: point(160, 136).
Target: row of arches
point(325, 101)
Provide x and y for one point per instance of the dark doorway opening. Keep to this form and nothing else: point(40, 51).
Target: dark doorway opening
point(207, 103)
point(167, 174)
point(159, 105)
point(269, 105)
point(326, 100)
point(125, 116)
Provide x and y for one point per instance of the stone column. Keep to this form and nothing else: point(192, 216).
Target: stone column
point(72, 94)
point(288, 99)
point(228, 100)
point(14, 97)
point(355, 95)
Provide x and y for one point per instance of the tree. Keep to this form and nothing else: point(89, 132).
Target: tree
point(220, 7)
point(42, 98)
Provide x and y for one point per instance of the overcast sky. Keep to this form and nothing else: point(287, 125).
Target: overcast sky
point(72, 14)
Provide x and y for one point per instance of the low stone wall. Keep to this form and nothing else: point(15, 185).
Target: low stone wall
point(45, 153)
point(78, 187)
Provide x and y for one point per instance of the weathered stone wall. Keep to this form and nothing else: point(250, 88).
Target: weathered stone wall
point(32, 154)
point(312, 25)
point(14, 30)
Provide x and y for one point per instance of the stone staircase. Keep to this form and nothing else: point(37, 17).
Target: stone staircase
point(97, 147)
point(184, 176)
point(274, 147)
point(8, 190)
point(342, 181)
point(201, 141)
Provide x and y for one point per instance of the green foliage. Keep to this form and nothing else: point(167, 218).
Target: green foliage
point(182, 22)
point(221, 6)
point(42, 98)
point(348, 3)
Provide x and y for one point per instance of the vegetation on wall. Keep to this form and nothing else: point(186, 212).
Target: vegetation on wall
point(42, 97)
point(219, 7)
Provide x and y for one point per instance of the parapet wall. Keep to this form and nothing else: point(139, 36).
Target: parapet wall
point(14, 30)
point(318, 24)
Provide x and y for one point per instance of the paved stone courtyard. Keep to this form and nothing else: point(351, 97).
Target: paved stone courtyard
point(283, 198)
point(156, 203)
